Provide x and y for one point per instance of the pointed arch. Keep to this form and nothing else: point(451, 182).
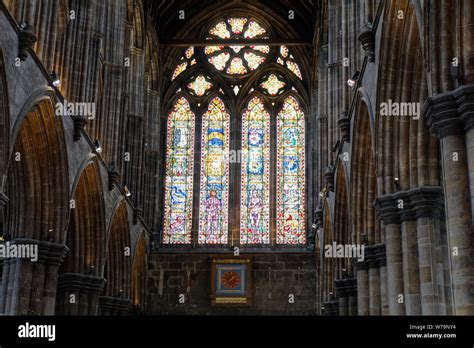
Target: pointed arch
point(291, 211)
point(214, 185)
point(178, 206)
point(255, 174)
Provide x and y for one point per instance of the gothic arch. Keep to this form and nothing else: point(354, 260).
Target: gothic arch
point(117, 270)
point(38, 173)
point(4, 125)
point(139, 268)
point(363, 189)
point(86, 235)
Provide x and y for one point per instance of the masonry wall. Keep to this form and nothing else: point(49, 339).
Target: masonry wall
point(274, 278)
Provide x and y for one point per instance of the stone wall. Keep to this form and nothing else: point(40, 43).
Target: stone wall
point(274, 278)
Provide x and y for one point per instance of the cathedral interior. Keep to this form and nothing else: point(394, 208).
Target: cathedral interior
point(264, 157)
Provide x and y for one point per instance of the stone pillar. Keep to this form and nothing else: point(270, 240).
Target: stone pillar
point(342, 292)
point(427, 203)
point(411, 278)
point(362, 288)
point(381, 259)
point(374, 280)
point(113, 305)
point(85, 290)
point(388, 213)
point(29, 287)
point(352, 296)
point(449, 115)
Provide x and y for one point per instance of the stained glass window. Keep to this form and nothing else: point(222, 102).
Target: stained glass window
point(233, 55)
point(179, 69)
point(220, 60)
point(290, 174)
point(294, 68)
point(179, 174)
point(255, 180)
point(272, 84)
point(186, 60)
point(286, 58)
point(254, 29)
point(200, 85)
point(237, 24)
point(213, 212)
point(237, 59)
point(236, 67)
point(220, 30)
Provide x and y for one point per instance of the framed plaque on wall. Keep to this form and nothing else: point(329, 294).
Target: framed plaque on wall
point(231, 281)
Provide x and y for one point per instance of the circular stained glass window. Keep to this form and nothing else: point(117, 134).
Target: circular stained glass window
point(237, 60)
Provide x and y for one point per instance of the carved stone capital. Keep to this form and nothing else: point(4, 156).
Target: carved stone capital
point(114, 178)
point(387, 211)
point(450, 113)
point(27, 39)
point(74, 282)
point(79, 125)
point(329, 178)
point(49, 253)
point(366, 39)
point(344, 124)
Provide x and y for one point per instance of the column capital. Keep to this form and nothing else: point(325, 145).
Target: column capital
point(403, 206)
point(450, 113)
point(81, 282)
point(380, 255)
point(387, 210)
point(427, 201)
point(49, 253)
point(114, 304)
point(370, 257)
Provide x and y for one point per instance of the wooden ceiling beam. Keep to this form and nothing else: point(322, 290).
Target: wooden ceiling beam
point(235, 42)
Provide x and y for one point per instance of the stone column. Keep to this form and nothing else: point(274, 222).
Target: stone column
point(362, 288)
point(380, 256)
point(427, 203)
point(352, 296)
point(374, 280)
point(341, 291)
point(411, 278)
point(113, 305)
point(449, 115)
point(85, 290)
point(29, 287)
point(388, 213)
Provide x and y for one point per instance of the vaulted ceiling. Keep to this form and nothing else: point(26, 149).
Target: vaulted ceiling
point(165, 14)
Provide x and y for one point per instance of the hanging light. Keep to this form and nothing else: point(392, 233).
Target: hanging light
point(353, 80)
point(127, 192)
point(98, 146)
point(55, 78)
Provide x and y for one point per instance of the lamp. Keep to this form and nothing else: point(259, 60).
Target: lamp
point(55, 78)
point(98, 147)
point(353, 80)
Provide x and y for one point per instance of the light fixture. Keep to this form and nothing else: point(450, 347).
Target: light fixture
point(353, 80)
point(396, 183)
point(55, 78)
point(127, 192)
point(98, 147)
